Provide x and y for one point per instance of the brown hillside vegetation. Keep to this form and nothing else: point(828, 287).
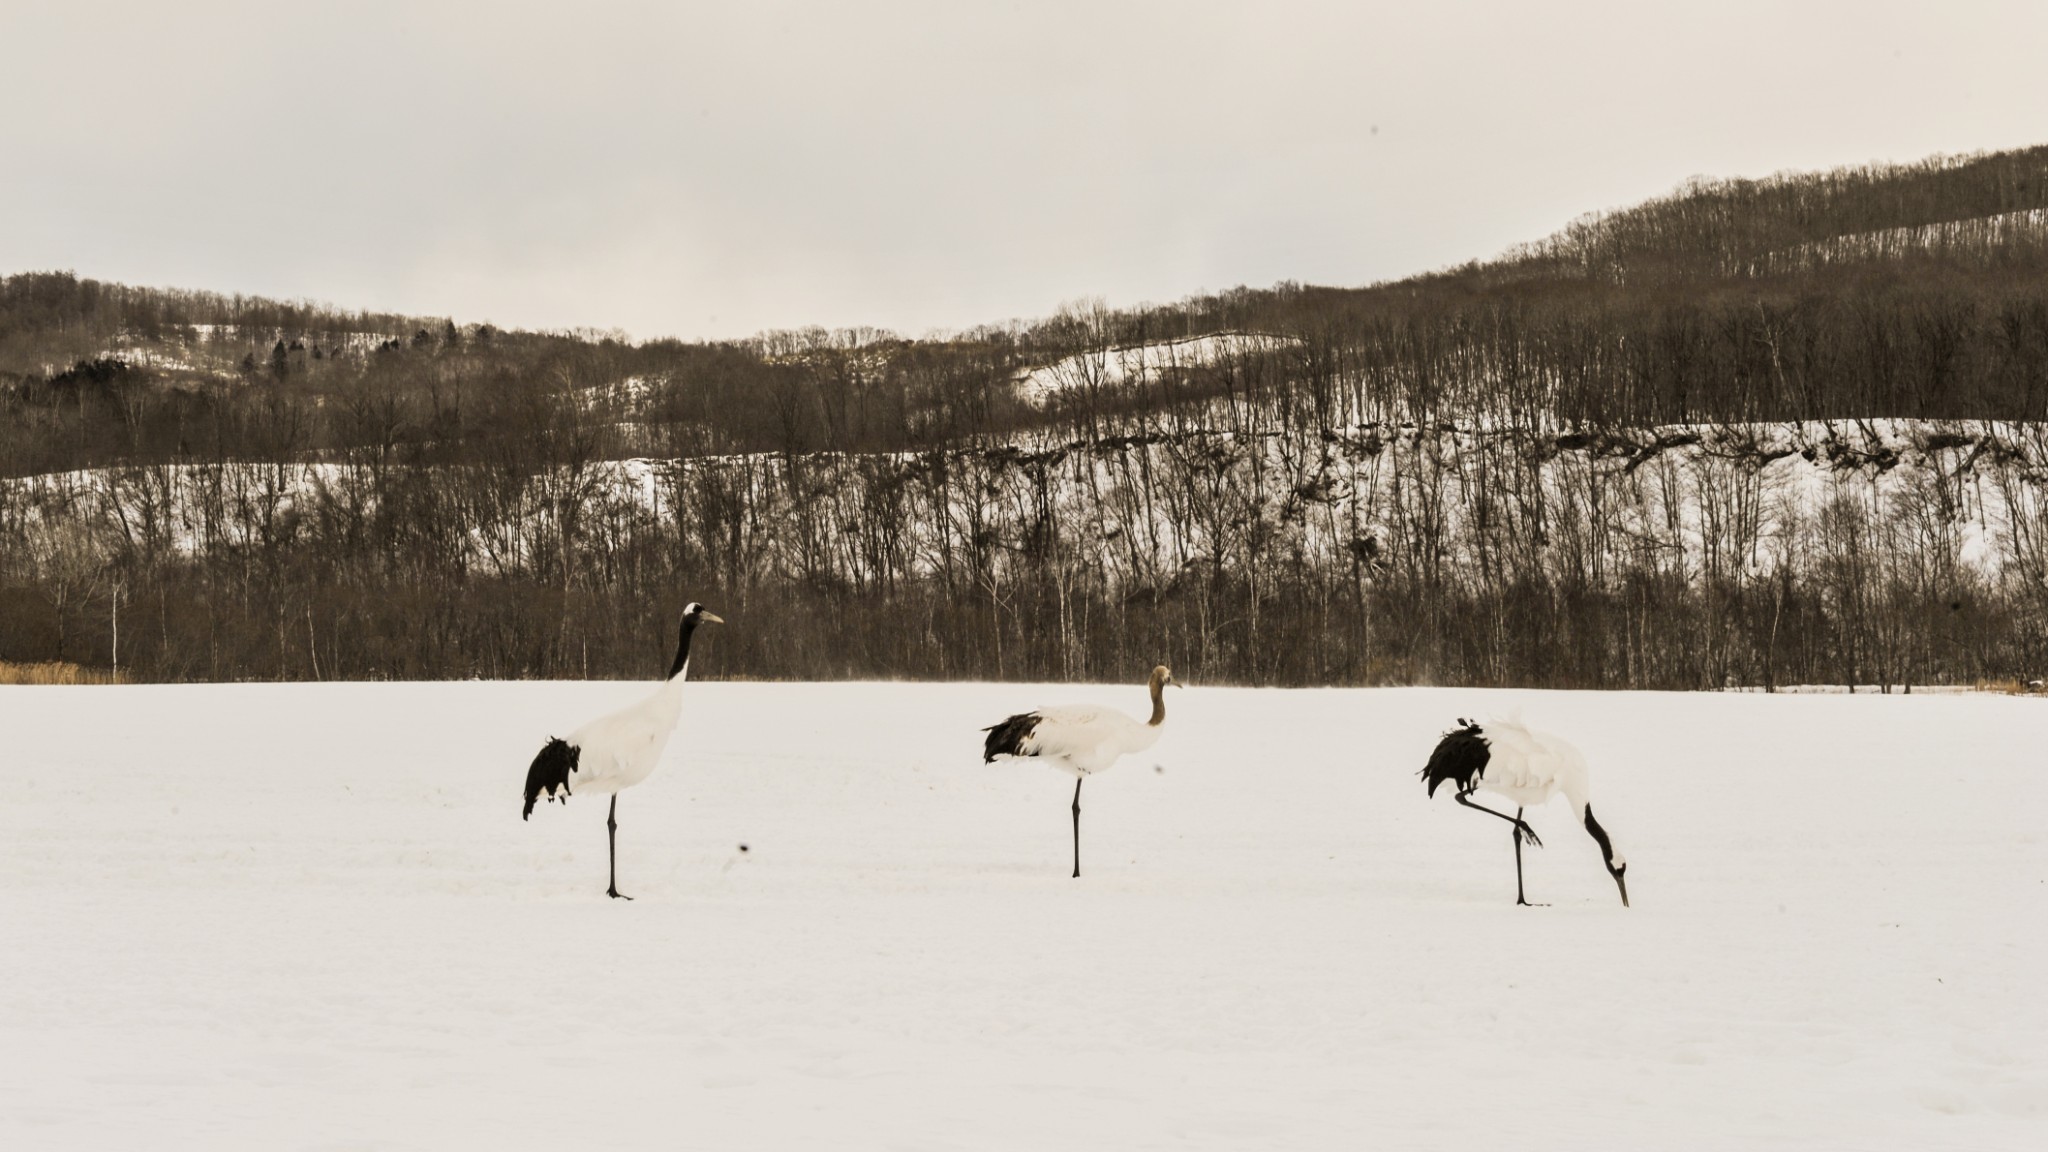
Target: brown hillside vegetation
point(1754, 432)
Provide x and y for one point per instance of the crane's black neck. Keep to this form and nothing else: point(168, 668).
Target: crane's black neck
point(683, 647)
point(1599, 835)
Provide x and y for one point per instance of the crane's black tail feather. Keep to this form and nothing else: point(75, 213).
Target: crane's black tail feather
point(1461, 756)
point(1007, 738)
point(550, 771)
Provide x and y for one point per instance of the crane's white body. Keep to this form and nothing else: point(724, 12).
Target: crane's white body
point(1529, 767)
point(1084, 739)
point(621, 749)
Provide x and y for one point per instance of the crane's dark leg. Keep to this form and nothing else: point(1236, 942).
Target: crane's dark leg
point(1077, 828)
point(1465, 798)
point(1519, 897)
point(611, 828)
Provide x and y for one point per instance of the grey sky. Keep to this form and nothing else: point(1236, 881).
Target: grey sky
point(716, 169)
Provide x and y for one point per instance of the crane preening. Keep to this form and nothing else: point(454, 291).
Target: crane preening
point(616, 751)
point(1527, 768)
point(1079, 738)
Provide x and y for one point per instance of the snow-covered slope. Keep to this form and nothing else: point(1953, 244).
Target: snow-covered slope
point(1692, 499)
point(265, 916)
point(1983, 232)
point(1133, 364)
point(215, 351)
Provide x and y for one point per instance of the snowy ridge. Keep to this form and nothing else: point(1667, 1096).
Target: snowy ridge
point(1723, 501)
point(214, 350)
point(1975, 232)
point(1138, 364)
point(626, 395)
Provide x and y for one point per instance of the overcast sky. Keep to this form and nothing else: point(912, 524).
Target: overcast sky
point(705, 170)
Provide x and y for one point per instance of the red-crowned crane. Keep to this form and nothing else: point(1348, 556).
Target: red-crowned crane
point(616, 751)
point(1527, 768)
point(1079, 738)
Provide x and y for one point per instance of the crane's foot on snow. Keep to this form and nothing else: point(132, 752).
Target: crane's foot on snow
point(1521, 903)
point(615, 894)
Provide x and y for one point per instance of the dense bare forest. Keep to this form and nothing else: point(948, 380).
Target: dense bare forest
point(1755, 433)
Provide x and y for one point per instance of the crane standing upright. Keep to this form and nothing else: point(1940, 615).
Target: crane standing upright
point(1079, 738)
point(619, 750)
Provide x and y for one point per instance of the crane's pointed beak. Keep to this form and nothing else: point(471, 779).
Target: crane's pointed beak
point(714, 617)
point(1621, 882)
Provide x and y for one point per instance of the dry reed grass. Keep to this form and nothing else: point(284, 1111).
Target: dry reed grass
point(53, 672)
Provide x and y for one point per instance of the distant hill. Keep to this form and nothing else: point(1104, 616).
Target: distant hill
point(1901, 290)
point(1752, 432)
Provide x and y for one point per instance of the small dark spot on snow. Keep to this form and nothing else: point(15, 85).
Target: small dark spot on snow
point(743, 847)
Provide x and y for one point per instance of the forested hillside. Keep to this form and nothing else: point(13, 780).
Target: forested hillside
point(1754, 432)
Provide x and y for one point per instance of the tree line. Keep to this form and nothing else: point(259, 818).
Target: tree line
point(1752, 433)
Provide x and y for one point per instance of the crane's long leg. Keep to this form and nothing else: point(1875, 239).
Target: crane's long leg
point(611, 828)
point(1077, 828)
point(1519, 897)
point(1465, 798)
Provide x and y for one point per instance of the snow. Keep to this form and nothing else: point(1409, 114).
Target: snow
point(1140, 363)
point(1982, 232)
point(212, 350)
point(308, 915)
point(627, 394)
point(155, 359)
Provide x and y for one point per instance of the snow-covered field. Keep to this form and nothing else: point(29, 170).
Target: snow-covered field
point(309, 916)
